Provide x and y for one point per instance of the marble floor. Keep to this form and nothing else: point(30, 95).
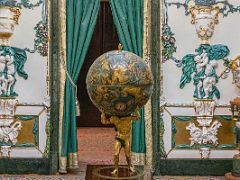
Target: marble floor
point(95, 148)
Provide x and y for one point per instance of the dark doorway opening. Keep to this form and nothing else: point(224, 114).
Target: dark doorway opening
point(104, 39)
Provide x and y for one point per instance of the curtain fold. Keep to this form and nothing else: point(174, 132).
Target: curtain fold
point(81, 16)
point(128, 18)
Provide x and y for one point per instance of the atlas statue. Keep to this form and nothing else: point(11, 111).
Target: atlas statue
point(123, 126)
point(119, 83)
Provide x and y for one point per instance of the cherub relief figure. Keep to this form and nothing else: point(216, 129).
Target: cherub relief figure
point(201, 68)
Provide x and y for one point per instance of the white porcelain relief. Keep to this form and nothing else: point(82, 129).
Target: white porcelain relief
point(204, 135)
point(204, 107)
point(9, 131)
point(7, 81)
point(207, 131)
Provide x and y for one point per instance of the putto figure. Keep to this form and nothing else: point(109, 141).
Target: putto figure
point(123, 125)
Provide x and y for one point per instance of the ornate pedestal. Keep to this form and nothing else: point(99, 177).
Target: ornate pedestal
point(206, 132)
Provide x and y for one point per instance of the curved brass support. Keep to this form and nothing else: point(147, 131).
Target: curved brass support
point(233, 65)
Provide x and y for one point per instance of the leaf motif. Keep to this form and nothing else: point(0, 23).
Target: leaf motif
point(20, 59)
point(188, 68)
point(218, 52)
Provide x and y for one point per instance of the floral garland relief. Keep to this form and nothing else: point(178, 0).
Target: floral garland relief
point(41, 38)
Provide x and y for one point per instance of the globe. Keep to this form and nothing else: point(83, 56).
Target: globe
point(119, 82)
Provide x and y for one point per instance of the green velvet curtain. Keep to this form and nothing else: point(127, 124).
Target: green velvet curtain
point(81, 18)
point(128, 18)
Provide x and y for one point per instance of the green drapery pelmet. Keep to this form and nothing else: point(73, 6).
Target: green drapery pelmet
point(128, 18)
point(81, 18)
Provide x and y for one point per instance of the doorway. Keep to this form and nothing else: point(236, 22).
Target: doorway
point(104, 39)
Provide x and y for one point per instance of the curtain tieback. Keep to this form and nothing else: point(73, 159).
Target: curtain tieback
point(77, 103)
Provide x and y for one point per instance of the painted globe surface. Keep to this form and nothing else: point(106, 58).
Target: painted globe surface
point(119, 82)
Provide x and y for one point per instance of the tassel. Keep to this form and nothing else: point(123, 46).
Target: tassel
point(77, 107)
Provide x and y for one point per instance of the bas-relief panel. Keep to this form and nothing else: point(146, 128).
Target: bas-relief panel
point(29, 96)
point(184, 75)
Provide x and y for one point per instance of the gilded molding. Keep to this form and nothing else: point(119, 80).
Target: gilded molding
point(62, 74)
point(138, 158)
point(141, 158)
point(148, 133)
point(62, 165)
point(162, 99)
point(73, 161)
point(147, 107)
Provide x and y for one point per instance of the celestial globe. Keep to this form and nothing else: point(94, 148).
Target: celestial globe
point(119, 82)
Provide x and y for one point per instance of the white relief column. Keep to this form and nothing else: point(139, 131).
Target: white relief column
point(206, 131)
point(9, 131)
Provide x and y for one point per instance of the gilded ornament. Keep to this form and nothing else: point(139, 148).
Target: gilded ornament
point(16, 12)
point(234, 65)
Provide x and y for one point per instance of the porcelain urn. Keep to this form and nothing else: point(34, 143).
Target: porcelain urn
point(205, 17)
point(8, 20)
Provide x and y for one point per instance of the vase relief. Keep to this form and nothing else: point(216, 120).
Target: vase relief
point(8, 20)
point(205, 17)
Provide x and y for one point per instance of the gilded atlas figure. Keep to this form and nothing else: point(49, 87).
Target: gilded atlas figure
point(123, 127)
point(119, 83)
